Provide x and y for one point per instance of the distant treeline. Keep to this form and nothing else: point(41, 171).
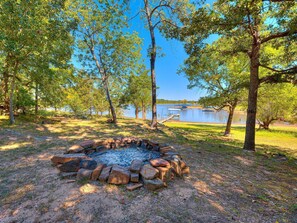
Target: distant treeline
point(184, 101)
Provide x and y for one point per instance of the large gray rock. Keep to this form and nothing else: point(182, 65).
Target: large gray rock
point(71, 166)
point(104, 174)
point(88, 164)
point(60, 159)
point(148, 172)
point(136, 166)
point(119, 175)
point(153, 184)
point(84, 174)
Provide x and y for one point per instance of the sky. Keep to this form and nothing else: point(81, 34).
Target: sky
point(172, 86)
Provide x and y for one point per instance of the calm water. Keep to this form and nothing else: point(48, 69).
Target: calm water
point(190, 115)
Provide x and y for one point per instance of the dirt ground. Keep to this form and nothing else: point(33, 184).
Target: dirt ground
point(225, 184)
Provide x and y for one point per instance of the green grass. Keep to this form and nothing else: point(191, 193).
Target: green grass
point(279, 139)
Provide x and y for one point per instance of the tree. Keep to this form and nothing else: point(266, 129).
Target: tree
point(34, 36)
point(105, 49)
point(160, 14)
point(276, 102)
point(249, 25)
point(138, 92)
point(223, 77)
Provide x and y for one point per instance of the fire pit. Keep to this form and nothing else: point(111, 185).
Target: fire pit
point(121, 161)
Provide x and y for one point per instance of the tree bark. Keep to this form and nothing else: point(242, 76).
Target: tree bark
point(230, 118)
point(136, 112)
point(143, 111)
point(112, 110)
point(11, 115)
point(249, 142)
point(5, 88)
point(153, 54)
point(36, 99)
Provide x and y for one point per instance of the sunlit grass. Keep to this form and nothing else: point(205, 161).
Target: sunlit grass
point(281, 139)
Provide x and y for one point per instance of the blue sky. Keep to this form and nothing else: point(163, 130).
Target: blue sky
point(171, 85)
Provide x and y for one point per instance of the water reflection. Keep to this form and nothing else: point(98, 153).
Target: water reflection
point(190, 114)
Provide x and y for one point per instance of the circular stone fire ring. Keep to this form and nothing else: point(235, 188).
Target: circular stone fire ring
point(128, 160)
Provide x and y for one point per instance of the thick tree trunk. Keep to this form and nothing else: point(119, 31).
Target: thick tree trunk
point(143, 111)
point(112, 110)
point(136, 112)
point(249, 142)
point(230, 118)
point(36, 99)
point(153, 54)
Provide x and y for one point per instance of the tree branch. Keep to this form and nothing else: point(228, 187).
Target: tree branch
point(278, 35)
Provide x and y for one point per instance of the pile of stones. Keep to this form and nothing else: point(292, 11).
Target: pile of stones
point(153, 174)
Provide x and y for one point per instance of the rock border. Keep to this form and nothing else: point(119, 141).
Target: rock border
point(154, 175)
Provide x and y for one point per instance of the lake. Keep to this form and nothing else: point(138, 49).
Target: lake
point(189, 114)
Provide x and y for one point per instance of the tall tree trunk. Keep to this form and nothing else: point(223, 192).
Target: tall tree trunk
point(36, 99)
point(230, 118)
point(249, 142)
point(5, 89)
point(153, 54)
point(143, 111)
point(136, 112)
point(112, 110)
point(11, 115)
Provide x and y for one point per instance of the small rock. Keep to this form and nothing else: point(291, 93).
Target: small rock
point(186, 170)
point(136, 166)
point(98, 143)
point(84, 174)
point(159, 162)
point(87, 144)
point(168, 158)
point(97, 171)
point(134, 177)
point(164, 173)
point(88, 164)
point(166, 149)
point(59, 159)
point(175, 167)
point(182, 164)
point(68, 175)
point(119, 175)
point(148, 172)
point(153, 184)
point(171, 153)
point(132, 187)
point(75, 149)
point(104, 174)
point(71, 166)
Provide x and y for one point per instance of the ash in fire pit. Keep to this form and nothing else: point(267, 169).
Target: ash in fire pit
point(124, 156)
point(122, 160)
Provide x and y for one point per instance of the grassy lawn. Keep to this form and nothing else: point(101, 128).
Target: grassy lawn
point(279, 139)
point(226, 184)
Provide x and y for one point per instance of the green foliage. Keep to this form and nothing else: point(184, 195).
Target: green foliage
point(223, 77)
point(85, 96)
point(276, 102)
point(138, 91)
